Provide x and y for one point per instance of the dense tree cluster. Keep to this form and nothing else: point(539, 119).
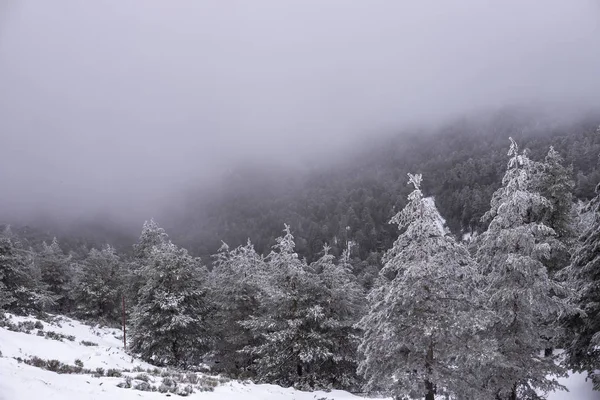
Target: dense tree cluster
point(353, 200)
point(441, 317)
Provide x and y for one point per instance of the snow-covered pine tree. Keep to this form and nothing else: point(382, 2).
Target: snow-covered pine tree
point(342, 302)
point(171, 320)
point(238, 280)
point(583, 349)
point(98, 293)
point(303, 342)
point(422, 330)
point(277, 327)
point(20, 289)
point(151, 236)
point(526, 302)
point(57, 275)
point(555, 182)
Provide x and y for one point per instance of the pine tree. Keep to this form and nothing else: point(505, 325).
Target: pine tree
point(21, 290)
point(57, 275)
point(303, 327)
point(527, 303)
point(555, 182)
point(171, 320)
point(238, 280)
point(583, 351)
point(151, 236)
point(422, 330)
point(98, 293)
point(342, 300)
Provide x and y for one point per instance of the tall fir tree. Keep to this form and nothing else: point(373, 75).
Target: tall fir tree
point(583, 350)
point(555, 182)
point(21, 289)
point(98, 293)
point(238, 279)
point(422, 333)
point(152, 235)
point(526, 302)
point(57, 275)
point(171, 322)
point(342, 302)
point(301, 340)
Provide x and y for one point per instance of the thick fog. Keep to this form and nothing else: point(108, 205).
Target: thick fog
point(116, 105)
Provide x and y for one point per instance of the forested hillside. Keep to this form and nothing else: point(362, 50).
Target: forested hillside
point(433, 316)
point(356, 195)
point(352, 196)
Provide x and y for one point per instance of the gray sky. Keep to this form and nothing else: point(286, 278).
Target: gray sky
point(115, 104)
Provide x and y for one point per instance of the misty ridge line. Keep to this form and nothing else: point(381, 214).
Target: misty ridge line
point(462, 161)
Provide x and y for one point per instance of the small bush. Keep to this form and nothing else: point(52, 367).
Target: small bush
point(39, 325)
point(142, 377)
point(168, 385)
point(40, 333)
point(37, 362)
point(143, 386)
point(25, 326)
point(126, 384)
point(99, 371)
point(53, 365)
point(163, 388)
point(190, 377)
point(169, 382)
point(209, 381)
point(8, 325)
point(87, 343)
point(177, 377)
point(185, 391)
point(58, 336)
point(68, 369)
point(137, 368)
point(114, 373)
point(79, 363)
point(201, 388)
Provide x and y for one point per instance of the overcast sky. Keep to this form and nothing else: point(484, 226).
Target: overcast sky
point(118, 103)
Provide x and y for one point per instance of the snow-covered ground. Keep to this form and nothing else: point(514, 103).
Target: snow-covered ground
point(19, 381)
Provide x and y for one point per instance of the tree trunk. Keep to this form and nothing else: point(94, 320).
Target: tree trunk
point(513, 394)
point(430, 391)
point(429, 385)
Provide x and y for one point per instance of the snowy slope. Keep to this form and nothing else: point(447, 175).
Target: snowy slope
point(19, 381)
